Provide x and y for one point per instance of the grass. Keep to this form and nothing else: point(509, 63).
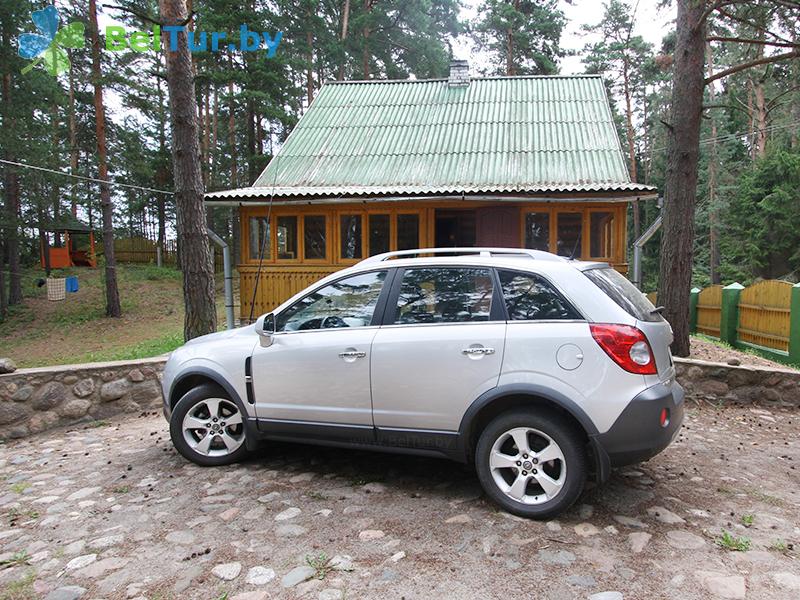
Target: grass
point(18, 558)
point(15, 514)
point(781, 546)
point(728, 541)
point(41, 333)
point(121, 489)
point(22, 589)
point(153, 347)
point(747, 520)
point(320, 562)
point(19, 488)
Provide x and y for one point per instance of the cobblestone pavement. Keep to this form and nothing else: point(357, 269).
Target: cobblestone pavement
point(112, 511)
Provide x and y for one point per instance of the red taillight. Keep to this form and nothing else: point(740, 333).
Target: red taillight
point(626, 345)
point(663, 419)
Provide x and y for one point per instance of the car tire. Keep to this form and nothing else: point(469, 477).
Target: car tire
point(541, 479)
point(208, 427)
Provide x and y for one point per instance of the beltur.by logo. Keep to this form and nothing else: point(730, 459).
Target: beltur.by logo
point(48, 46)
point(118, 39)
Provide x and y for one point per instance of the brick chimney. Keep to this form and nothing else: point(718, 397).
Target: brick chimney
point(459, 74)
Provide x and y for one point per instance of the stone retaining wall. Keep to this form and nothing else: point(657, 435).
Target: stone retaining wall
point(744, 384)
point(34, 400)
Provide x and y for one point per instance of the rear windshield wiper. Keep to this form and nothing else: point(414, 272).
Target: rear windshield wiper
point(657, 310)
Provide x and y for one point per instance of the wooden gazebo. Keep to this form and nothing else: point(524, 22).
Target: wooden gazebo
point(72, 245)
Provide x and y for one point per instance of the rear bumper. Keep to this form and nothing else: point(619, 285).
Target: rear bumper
point(637, 434)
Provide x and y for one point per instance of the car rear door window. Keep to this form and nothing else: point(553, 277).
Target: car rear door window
point(444, 295)
point(530, 297)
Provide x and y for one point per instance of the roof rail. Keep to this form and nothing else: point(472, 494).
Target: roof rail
point(521, 252)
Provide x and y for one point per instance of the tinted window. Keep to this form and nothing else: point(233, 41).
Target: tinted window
point(350, 236)
point(444, 295)
point(568, 234)
point(537, 231)
point(378, 234)
point(314, 232)
point(259, 238)
point(349, 302)
point(287, 237)
point(532, 298)
point(624, 293)
point(407, 232)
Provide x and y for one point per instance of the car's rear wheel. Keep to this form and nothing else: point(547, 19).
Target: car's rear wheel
point(208, 427)
point(532, 464)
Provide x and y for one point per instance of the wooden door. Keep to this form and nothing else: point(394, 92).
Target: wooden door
point(498, 226)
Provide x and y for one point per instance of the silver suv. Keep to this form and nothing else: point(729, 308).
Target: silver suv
point(541, 371)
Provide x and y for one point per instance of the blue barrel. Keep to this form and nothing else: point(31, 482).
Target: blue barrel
point(72, 284)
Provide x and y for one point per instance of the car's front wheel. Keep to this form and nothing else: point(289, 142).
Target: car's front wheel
point(530, 463)
point(208, 428)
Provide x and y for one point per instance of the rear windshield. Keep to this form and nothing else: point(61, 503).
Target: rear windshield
point(624, 293)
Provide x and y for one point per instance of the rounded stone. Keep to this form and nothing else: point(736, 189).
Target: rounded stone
point(136, 376)
point(10, 412)
point(49, 396)
point(7, 366)
point(114, 390)
point(23, 394)
point(260, 576)
point(370, 534)
point(84, 388)
point(289, 513)
point(227, 571)
point(42, 421)
point(74, 409)
point(683, 540)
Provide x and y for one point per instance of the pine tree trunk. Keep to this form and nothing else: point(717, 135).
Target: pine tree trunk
point(232, 137)
point(365, 49)
point(310, 66)
point(680, 182)
point(161, 171)
point(113, 308)
point(345, 27)
point(713, 214)
point(11, 190)
point(73, 141)
point(251, 142)
point(195, 253)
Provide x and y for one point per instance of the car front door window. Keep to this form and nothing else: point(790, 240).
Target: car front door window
point(349, 302)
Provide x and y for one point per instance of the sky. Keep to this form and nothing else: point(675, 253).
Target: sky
point(650, 22)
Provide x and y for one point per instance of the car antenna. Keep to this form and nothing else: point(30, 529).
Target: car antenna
point(267, 235)
point(575, 247)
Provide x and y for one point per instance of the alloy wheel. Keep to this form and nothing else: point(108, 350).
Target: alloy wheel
point(527, 465)
point(213, 427)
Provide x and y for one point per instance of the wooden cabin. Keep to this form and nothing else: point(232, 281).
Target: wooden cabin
point(69, 243)
point(374, 166)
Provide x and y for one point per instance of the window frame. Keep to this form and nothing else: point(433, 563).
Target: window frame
point(588, 225)
point(377, 315)
point(563, 297)
point(302, 237)
point(618, 209)
point(497, 313)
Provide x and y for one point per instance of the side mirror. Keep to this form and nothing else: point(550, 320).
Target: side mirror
point(265, 328)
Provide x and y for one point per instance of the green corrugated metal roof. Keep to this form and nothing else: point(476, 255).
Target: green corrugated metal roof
point(502, 134)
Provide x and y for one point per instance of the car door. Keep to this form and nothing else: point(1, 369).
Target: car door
point(316, 371)
point(439, 348)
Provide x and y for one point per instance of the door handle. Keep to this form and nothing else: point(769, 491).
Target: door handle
point(476, 351)
point(352, 354)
